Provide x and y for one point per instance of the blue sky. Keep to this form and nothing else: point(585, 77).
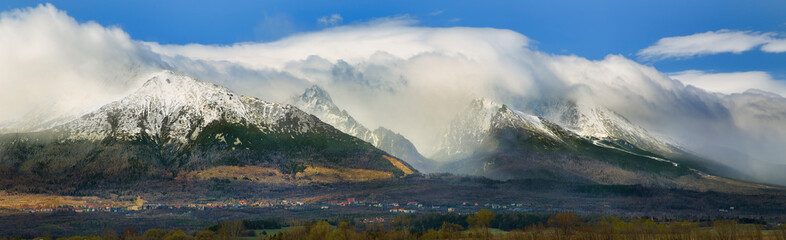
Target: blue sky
point(590, 29)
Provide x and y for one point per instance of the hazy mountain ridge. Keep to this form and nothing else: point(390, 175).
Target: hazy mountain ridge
point(466, 131)
point(399, 146)
point(317, 101)
point(502, 143)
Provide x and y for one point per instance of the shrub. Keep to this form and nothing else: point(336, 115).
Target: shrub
point(154, 234)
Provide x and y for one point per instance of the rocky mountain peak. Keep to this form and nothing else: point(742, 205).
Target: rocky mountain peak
point(317, 96)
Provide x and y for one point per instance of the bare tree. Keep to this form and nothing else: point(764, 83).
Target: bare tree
point(231, 230)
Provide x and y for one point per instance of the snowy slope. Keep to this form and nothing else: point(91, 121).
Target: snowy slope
point(175, 108)
point(602, 123)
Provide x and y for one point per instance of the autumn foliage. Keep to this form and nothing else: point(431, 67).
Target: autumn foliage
point(560, 226)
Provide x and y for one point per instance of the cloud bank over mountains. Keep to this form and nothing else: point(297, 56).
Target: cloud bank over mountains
point(733, 82)
point(386, 72)
point(51, 65)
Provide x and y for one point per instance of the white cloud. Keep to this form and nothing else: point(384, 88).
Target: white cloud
point(332, 20)
point(734, 82)
point(711, 42)
point(356, 43)
point(51, 66)
point(775, 46)
point(435, 13)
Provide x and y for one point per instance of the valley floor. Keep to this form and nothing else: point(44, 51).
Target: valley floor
point(192, 205)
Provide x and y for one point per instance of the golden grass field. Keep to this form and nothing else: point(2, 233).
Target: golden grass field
point(399, 165)
point(312, 174)
point(15, 201)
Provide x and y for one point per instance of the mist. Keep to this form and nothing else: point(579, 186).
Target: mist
point(387, 72)
point(52, 67)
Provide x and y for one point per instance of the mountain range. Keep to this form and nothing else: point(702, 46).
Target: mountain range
point(178, 127)
point(583, 145)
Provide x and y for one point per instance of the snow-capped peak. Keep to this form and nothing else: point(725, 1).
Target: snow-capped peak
point(174, 108)
point(171, 92)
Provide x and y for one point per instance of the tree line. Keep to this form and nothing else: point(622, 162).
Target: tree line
point(484, 224)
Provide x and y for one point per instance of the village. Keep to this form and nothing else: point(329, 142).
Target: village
point(407, 207)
